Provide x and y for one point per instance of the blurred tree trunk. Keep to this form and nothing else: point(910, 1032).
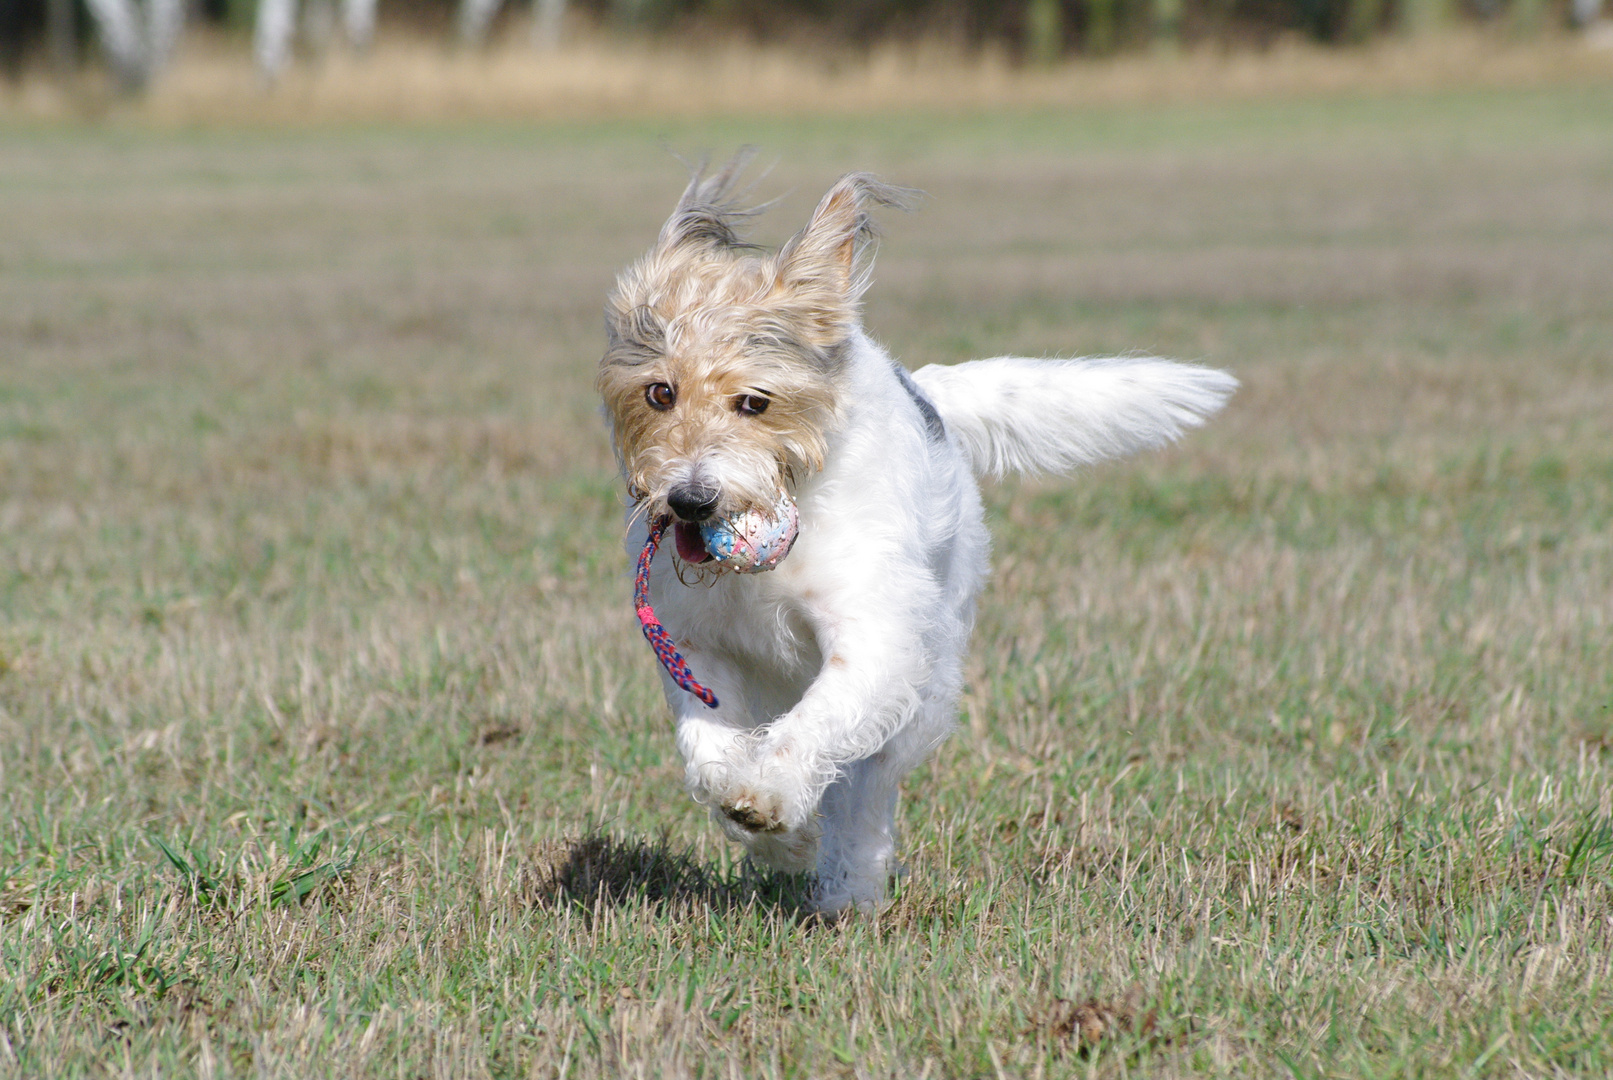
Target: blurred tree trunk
point(1044, 32)
point(548, 20)
point(271, 36)
point(358, 23)
point(1100, 36)
point(1421, 16)
point(61, 30)
point(1167, 20)
point(317, 25)
point(165, 19)
point(137, 44)
point(642, 14)
point(1528, 17)
point(475, 18)
point(1361, 19)
point(117, 25)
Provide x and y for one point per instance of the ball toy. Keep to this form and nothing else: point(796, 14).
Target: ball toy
point(754, 540)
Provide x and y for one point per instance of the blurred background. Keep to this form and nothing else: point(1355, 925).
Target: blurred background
point(479, 56)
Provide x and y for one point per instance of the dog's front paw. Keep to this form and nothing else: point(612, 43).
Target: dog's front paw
point(754, 812)
point(767, 802)
point(791, 849)
point(769, 789)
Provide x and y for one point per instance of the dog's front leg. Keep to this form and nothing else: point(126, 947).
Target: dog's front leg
point(868, 687)
point(716, 745)
point(710, 740)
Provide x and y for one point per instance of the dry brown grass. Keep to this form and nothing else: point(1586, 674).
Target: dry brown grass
point(411, 79)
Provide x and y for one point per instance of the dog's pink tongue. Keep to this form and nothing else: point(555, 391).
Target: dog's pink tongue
point(691, 549)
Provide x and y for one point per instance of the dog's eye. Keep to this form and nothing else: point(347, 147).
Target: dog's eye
point(660, 396)
point(751, 404)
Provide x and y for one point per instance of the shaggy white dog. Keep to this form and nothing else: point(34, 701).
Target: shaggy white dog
point(732, 373)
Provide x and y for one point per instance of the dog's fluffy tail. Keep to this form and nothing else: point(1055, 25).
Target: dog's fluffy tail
point(1017, 415)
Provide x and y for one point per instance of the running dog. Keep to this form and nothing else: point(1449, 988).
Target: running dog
point(732, 374)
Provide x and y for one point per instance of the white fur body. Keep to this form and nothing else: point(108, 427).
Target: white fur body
point(730, 371)
point(838, 672)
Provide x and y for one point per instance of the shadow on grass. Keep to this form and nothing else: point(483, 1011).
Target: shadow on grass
point(601, 870)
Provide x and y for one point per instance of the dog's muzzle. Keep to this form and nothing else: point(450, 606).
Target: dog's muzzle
point(693, 502)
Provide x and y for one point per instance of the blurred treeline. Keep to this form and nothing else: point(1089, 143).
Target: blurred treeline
point(1033, 30)
point(1030, 31)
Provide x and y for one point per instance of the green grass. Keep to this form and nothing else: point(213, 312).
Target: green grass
point(329, 746)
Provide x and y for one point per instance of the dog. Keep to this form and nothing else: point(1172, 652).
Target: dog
point(732, 372)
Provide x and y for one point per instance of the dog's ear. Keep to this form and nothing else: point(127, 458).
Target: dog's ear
point(827, 265)
point(709, 212)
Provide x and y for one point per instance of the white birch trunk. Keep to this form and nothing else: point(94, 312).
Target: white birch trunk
point(117, 24)
point(164, 21)
point(271, 35)
point(358, 20)
point(475, 16)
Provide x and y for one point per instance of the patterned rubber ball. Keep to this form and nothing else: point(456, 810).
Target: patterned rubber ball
point(755, 540)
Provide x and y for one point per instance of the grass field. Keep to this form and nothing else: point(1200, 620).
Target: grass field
point(329, 746)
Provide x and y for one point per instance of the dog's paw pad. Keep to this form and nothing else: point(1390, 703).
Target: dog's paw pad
point(747, 816)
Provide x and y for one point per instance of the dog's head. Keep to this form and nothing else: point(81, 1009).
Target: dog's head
point(721, 374)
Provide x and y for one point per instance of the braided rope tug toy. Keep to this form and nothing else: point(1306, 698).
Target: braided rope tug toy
point(750, 542)
point(661, 641)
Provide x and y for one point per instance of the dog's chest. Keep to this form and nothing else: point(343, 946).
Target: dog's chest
point(760, 622)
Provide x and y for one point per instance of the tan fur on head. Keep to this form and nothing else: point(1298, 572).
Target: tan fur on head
point(722, 323)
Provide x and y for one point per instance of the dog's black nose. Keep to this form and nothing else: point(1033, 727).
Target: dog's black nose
point(691, 502)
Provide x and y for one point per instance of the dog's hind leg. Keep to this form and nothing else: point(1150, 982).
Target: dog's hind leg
point(861, 839)
point(858, 853)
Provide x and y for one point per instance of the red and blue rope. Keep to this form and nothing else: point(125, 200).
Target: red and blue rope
point(661, 641)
